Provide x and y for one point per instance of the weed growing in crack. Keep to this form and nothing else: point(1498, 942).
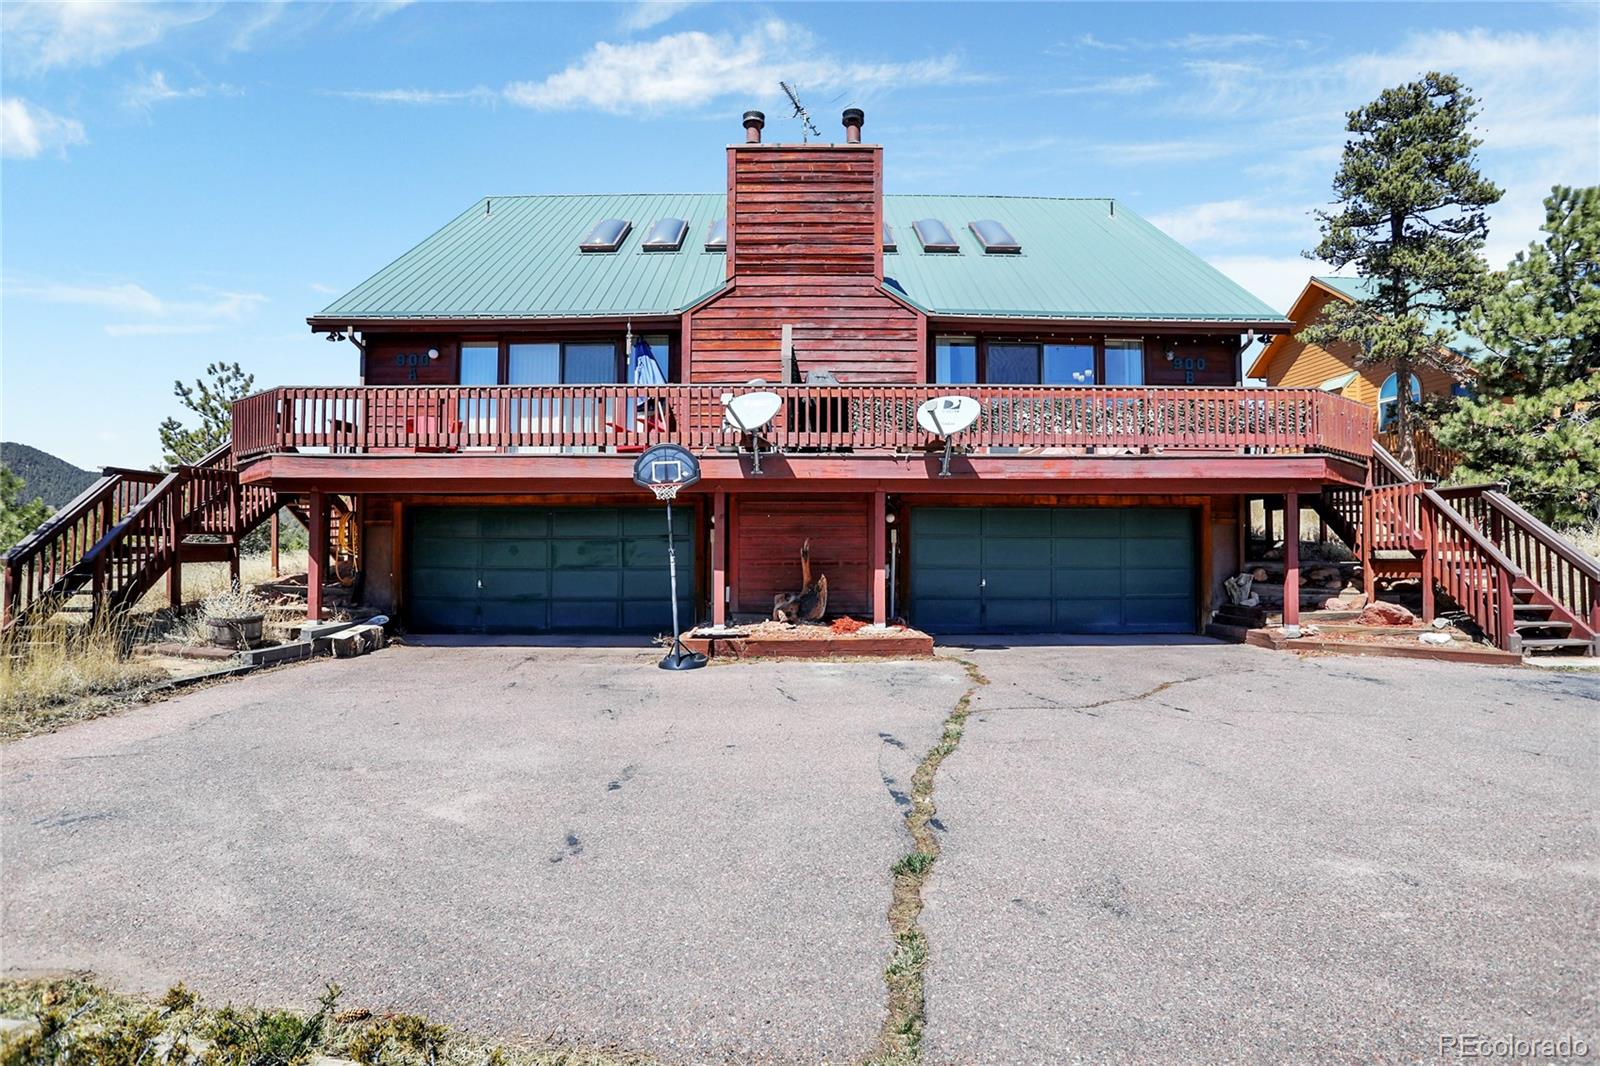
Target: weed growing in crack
point(900, 1040)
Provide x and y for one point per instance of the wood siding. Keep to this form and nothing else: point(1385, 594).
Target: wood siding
point(845, 325)
point(805, 210)
point(805, 250)
point(391, 360)
point(767, 534)
point(1301, 365)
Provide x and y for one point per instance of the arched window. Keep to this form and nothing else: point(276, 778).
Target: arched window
point(1390, 393)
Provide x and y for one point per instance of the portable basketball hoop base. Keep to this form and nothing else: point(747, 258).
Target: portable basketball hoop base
point(664, 469)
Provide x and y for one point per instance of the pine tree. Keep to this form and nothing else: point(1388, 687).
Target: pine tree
point(1541, 319)
point(211, 399)
point(1535, 424)
point(18, 517)
point(1409, 213)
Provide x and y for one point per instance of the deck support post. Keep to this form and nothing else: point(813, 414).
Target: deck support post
point(1425, 567)
point(175, 571)
point(1291, 558)
point(719, 559)
point(316, 553)
point(276, 571)
point(879, 536)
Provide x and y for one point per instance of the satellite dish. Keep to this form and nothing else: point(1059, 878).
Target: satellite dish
point(945, 416)
point(750, 414)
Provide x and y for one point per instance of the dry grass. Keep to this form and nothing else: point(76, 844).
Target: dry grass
point(1587, 538)
point(83, 1024)
point(208, 579)
point(62, 670)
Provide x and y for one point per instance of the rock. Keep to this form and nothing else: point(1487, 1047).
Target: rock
point(1324, 575)
point(1272, 553)
point(1434, 638)
point(1386, 614)
point(1259, 574)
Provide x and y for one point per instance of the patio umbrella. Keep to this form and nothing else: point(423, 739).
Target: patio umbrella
point(646, 372)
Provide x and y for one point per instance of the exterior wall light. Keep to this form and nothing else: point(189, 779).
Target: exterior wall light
point(433, 353)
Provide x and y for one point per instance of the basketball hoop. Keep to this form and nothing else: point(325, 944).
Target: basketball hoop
point(664, 469)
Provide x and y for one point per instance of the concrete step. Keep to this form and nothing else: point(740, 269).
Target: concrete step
point(1557, 644)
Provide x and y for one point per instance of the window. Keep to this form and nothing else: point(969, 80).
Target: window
point(606, 235)
point(1013, 364)
point(996, 239)
point(934, 235)
point(480, 365)
point(666, 235)
point(955, 361)
point(888, 239)
point(1068, 364)
point(1389, 396)
point(1124, 362)
point(717, 236)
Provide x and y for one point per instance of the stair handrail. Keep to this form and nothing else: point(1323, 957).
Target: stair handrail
point(1387, 463)
point(74, 509)
point(97, 557)
point(1498, 624)
point(1561, 546)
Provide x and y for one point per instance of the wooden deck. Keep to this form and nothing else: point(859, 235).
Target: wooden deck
point(1034, 423)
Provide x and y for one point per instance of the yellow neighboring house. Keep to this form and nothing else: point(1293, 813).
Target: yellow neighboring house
point(1289, 362)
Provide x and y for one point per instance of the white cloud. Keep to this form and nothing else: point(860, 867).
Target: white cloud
point(690, 69)
point(1206, 42)
point(646, 14)
point(1231, 221)
point(28, 130)
point(1128, 83)
point(1174, 151)
point(159, 329)
point(157, 316)
point(326, 290)
point(155, 89)
point(41, 36)
point(479, 93)
point(1275, 279)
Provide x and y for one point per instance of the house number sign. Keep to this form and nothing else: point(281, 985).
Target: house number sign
point(1189, 364)
point(411, 360)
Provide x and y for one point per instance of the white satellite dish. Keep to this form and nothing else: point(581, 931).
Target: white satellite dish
point(945, 416)
point(750, 413)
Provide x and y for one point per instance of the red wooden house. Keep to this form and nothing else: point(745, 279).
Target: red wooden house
point(480, 474)
point(488, 450)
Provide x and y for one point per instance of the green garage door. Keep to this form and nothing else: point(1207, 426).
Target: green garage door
point(528, 570)
point(1052, 570)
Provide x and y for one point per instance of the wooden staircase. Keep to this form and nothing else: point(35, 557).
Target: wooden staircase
point(1528, 588)
point(126, 531)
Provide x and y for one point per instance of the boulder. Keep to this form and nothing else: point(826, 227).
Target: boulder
point(1329, 576)
point(1381, 613)
point(1259, 574)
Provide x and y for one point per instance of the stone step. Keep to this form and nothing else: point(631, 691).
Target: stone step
point(1556, 644)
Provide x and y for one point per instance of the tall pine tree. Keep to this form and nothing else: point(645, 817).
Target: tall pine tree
point(1409, 213)
point(1535, 423)
point(211, 400)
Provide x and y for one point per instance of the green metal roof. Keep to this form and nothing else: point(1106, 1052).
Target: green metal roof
point(518, 257)
point(1462, 343)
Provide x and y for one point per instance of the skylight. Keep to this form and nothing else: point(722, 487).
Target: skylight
point(666, 235)
point(997, 240)
point(888, 239)
point(935, 236)
point(606, 235)
point(717, 236)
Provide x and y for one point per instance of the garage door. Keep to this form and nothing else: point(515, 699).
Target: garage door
point(1055, 570)
point(528, 570)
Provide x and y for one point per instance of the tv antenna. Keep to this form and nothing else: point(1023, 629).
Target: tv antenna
point(800, 112)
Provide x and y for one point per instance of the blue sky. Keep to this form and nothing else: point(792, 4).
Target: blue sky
point(183, 183)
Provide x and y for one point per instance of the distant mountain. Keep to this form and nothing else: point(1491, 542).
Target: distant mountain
point(46, 477)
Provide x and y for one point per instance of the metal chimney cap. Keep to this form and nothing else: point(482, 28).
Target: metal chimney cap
point(854, 116)
point(754, 118)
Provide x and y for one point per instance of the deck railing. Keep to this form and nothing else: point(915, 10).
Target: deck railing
point(856, 418)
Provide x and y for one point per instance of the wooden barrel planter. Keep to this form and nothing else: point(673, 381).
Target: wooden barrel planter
point(236, 631)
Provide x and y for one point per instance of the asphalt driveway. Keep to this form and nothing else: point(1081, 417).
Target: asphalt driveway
point(1173, 854)
point(538, 841)
point(1163, 852)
